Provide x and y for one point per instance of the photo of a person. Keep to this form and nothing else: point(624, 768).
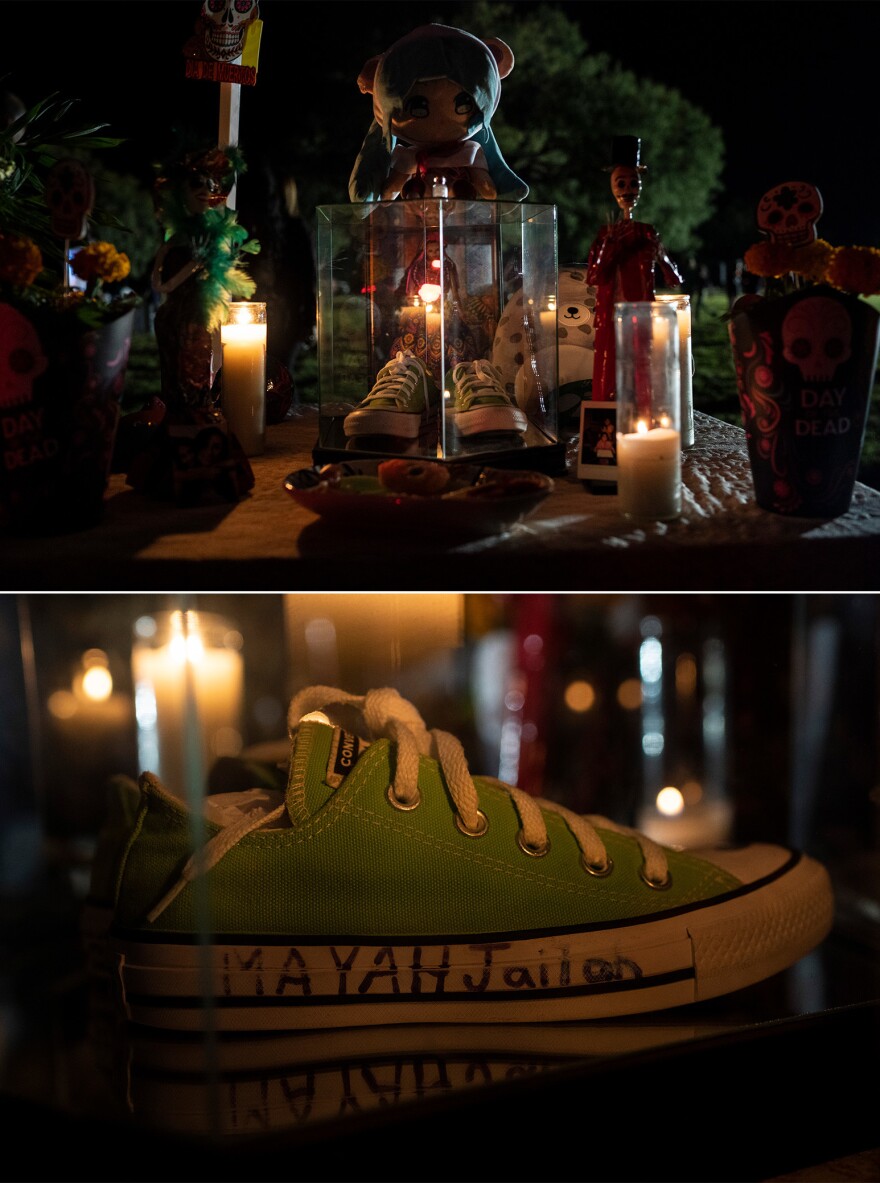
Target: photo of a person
point(597, 457)
point(204, 469)
point(605, 450)
point(211, 446)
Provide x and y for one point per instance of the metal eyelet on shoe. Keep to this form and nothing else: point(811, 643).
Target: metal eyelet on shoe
point(655, 884)
point(532, 851)
point(482, 825)
point(403, 806)
point(598, 870)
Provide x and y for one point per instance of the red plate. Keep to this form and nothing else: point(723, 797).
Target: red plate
point(477, 502)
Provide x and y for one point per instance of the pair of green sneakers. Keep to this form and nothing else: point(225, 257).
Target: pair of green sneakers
point(384, 884)
point(404, 393)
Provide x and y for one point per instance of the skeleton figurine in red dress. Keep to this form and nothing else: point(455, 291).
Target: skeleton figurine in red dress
point(622, 260)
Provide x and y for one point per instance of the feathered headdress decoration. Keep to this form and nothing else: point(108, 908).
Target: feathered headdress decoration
point(213, 236)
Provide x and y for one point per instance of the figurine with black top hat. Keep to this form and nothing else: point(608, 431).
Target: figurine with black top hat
point(623, 259)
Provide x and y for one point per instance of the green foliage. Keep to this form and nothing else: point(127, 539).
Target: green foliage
point(46, 133)
point(560, 108)
point(714, 373)
point(29, 146)
point(126, 217)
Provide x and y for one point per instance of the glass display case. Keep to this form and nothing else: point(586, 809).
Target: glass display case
point(437, 331)
point(702, 719)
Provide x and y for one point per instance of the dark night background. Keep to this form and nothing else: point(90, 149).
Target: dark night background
point(787, 82)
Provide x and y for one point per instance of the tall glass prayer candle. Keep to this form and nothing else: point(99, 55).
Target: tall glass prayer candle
point(682, 305)
point(243, 397)
point(648, 411)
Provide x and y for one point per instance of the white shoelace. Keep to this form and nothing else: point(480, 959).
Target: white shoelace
point(478, 380)
point(390, 716)
point(397, 379)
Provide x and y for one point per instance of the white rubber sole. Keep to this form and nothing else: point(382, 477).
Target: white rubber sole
point(492, 418)
point(373, 421)
point(263, 983)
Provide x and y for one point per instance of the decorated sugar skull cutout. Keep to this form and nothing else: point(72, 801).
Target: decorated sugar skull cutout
point(22, 360)
point(70, 195)
point(817, 338)
point(225, 27)
point(788, 213)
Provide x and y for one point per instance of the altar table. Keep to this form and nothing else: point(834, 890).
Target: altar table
point(577, 540)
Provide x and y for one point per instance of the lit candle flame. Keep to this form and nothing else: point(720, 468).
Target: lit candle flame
point(642, 426)
point(97, 683)
point(430, 292)
point(670, 802)
point(243, 314)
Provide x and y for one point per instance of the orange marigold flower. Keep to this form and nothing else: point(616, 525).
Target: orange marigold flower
point(769, 259)
point(100, 260)
point(20, 259)
point(855, 269)
point(813, 259)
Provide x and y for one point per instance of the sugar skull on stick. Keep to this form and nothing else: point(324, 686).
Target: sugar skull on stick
point(222, 29)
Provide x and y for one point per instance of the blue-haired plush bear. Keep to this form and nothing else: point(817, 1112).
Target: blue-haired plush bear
point(434, 94)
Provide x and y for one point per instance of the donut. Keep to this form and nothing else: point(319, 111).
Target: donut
point(421, 477)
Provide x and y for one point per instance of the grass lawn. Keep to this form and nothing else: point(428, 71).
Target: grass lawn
point(714, 381)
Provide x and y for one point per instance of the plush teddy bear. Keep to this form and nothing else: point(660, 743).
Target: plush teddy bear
point(523, 353)
point(434, 94)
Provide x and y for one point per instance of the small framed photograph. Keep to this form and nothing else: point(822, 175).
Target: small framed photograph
point(202, 465)
point(597, 451)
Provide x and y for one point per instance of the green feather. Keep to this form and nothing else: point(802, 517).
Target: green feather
point(218, 242)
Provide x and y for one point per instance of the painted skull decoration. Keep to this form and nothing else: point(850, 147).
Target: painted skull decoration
point(817, 338)
point(22, 359)
point(225, 27)
point(70, 194)
point(788, 214)
point(626, 185)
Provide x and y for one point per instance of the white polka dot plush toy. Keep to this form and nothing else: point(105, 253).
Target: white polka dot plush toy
point(523, 354)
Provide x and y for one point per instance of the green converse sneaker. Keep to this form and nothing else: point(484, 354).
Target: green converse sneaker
point(479, 401)
point(384, 884)
point(401, 394)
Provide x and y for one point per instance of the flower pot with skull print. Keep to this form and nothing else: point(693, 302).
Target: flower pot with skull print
point(60, 385)
point(805, 366)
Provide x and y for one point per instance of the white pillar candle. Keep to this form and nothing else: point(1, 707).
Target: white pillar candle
point(549, 322)
point(244, 374)
point(649, 472)
point(682, 306)
point(434, 321)
point(708, 823)
point(411, 313)
point(660, 334)
point(161, 651)
point(364, 640)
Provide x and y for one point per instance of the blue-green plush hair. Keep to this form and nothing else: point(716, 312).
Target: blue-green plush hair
point(432, 51)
